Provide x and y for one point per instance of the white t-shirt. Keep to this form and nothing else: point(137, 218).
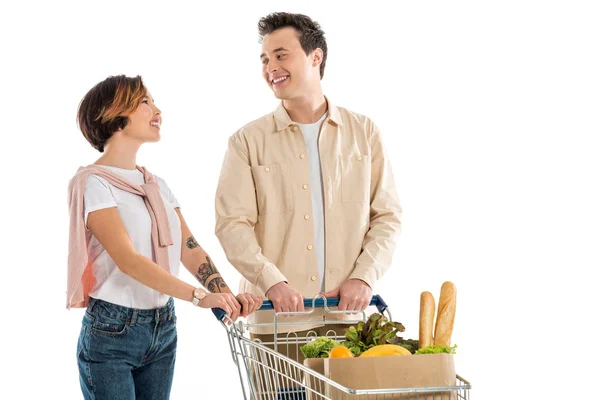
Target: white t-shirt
point(111, 284)
point(311, 140)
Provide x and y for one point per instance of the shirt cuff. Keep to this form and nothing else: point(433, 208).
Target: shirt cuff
point(367, 275)
point(269, 276)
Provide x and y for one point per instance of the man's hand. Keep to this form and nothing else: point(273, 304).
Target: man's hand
point(285, 298)
point(354, 294)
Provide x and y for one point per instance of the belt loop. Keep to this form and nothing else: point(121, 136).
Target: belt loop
point(170, 312)
point(133, 319)
point(91, 303)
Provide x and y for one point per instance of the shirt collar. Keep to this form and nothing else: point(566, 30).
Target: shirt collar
point(283, 120)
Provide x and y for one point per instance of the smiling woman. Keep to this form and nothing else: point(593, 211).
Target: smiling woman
point(108, 106)
point(127, 239)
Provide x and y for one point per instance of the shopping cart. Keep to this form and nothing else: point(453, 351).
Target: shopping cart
point(271, 374)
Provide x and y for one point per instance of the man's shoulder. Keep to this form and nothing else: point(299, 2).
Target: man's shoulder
point(260, 123)
point(353, 118)
point(258, 126)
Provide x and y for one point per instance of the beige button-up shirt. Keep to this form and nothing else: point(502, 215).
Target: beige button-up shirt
point(264, 209)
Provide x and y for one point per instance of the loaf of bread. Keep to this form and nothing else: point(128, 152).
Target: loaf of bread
point(426, 320)
point(444, 322)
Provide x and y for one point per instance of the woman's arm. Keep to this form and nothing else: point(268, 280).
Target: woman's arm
point(108, 228)
point(199, 263)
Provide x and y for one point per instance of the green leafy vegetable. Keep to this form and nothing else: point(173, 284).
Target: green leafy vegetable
point(411, 345)
point(437, 350)
point(377, 330)
point(319, 348)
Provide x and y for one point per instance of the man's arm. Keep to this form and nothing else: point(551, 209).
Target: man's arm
point(236, 214)
point(379, 243)
point(380, 240)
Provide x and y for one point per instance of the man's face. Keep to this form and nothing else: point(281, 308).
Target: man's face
point(287, 69)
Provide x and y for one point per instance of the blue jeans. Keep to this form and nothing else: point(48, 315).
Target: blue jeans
point(125, 353)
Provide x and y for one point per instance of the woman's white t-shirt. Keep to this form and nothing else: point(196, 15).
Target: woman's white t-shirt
point(111, 284)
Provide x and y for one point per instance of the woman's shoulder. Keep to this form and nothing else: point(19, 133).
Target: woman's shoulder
point(84, 179)
point(166, 191)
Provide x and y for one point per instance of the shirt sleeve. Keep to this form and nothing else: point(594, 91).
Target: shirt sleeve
point(167, 193)
point(97, 195)
point(236, 215)
point(380, 240)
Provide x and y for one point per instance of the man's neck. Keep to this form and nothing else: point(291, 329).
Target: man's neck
point(307, 109)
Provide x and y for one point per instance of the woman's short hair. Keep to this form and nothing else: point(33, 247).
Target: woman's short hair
point(105, 108)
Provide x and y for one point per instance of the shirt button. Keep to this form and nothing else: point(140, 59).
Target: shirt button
point(307, 216)
point(313, 278)
point(309, 247)
point(359, 158)
point(302, 156)
point(304, 186)
point(267, 169)
point(294, 128)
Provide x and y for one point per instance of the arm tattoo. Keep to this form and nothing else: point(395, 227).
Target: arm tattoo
point(209, 277)
point(217, 285)
point(191, 243)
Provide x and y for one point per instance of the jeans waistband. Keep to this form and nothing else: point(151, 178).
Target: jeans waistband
point(132, 315)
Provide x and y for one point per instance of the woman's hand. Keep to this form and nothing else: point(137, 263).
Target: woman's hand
point(224, 301)
point(249, 302)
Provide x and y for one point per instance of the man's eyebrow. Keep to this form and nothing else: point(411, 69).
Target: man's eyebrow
point(277, 50)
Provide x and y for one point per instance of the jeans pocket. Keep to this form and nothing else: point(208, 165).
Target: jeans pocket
point(83, 361)
point(169, 336)
point(80, 341)
point(108, 326)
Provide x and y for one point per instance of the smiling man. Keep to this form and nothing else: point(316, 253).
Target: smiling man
point(306, 201)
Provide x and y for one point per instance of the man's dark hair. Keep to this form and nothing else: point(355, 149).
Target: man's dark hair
point(310, 34)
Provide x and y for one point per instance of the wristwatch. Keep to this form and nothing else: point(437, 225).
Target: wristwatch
point(199, 295)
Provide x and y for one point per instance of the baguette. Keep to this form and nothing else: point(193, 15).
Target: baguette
point(444, 322)
point(426, 320)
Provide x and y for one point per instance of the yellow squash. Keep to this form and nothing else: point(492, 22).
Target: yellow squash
point(386, 350)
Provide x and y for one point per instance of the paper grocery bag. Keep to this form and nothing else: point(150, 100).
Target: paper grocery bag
point(414, 371)
point(315, 386)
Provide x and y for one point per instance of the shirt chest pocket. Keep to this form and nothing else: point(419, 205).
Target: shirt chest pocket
point(273, 188)
point(355, 178)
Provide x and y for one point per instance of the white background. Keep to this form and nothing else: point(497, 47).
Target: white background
point(490, 115)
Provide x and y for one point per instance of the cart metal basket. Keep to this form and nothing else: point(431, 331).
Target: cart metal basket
point(268, 370)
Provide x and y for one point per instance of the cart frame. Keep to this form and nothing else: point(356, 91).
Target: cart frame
point(270, 373)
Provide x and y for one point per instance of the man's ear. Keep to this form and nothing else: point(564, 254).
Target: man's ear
point(317, 57)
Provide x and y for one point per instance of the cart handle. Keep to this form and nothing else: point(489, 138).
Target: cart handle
point(318, 302)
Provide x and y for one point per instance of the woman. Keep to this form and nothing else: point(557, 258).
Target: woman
point(127, 239)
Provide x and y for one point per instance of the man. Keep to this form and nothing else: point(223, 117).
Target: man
point(306, 201)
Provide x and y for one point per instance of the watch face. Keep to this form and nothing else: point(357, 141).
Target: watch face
point(199, 294)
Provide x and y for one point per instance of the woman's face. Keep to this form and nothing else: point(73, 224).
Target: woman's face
point(144, 122)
